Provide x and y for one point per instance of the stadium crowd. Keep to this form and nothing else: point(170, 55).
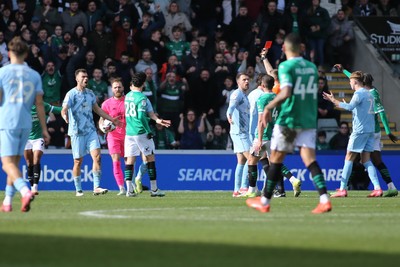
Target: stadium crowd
point(190, 50)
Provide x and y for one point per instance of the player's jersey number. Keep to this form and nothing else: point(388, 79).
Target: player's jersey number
point(130, 109)
point(302, 89)
point(21, 91)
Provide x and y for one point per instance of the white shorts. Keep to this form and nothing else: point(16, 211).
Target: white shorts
point(359, 142)
point(281, 141)
point(241, 143)
point(377, 142)
point(134, 145)
point(265, 149)
point(35, 144)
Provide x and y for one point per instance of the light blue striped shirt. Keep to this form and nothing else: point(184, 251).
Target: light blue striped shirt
point(362, 107)
point(239, 110)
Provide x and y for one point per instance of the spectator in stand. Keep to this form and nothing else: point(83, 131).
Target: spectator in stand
point(191, 129)
point(4, 59)
point(78, 35)
point(339, 45)
point(164, 138)
point(340, 140)
point(21, 15)
point(35, 26)
point(228, 56)
point(321, 141)
point(146, 62)
point(176, 18)
point(172, 65)
point(204, 15)
point(326, 109)
point(57, 40)
point(51, 81)
point(5, 17)
point(123, 35)
point(253, 40)
point(317, 23)
point(204, 95)
point(364, 9)
point(156, 47)
point(240, 26)
point(270, 22)
point(90, 62)
point(194, 62)
point(73, 16)
point(347, 7)
point(150, 88)
point(93, 14)
point(223, 98)
point(293, 20)
point(98, 86)
point(220, 70)
point(125, 9)
point(11, 30)
point(48, 15)
point(171, 98)
point(205, 47)
point(148, 24)
point(35, 59)
point(125, 69)
point(26, 35)
point(254, 7)
point(177, 46)
point(101, 42)
point(385, 8)
point(217, 139)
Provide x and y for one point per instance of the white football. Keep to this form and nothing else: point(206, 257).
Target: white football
point(107, 126)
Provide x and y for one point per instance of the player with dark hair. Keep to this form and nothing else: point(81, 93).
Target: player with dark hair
point(295, 125)
point(139, 137)
point(20, 88)
point(78, 105)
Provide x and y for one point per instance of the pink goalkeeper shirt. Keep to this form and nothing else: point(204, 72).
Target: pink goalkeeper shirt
point(115, 108)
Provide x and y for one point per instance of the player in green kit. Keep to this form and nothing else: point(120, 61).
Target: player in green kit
point(139, 137)
point(296, 123)
point(260, 149)
point(34, 148)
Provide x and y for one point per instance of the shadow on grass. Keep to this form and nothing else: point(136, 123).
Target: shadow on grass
point(46, 251)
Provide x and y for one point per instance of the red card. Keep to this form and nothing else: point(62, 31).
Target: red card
point(268, 44)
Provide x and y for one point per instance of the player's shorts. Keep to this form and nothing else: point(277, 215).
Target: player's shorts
point(359, 142)
point(285, 139)
point(134, 145)
point(265, 148)
point(241, 143)
point(12, 142)
point(82, 144)
point(377, 142)
point(35, 144)
point(115, 145)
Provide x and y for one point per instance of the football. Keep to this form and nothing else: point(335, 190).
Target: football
point(107, 126)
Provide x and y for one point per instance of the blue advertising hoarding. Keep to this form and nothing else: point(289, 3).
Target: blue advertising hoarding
point(187, 170)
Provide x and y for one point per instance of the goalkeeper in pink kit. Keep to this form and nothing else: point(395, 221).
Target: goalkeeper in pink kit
point(114, 107)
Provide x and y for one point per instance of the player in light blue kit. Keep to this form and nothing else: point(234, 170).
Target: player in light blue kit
point(362, 138)
point(238, 115)
point(77, 110)
point(20, 88)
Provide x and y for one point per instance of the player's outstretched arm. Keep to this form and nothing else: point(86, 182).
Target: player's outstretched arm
point(42, 117)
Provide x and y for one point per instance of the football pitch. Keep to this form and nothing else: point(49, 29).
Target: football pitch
point(199, 229)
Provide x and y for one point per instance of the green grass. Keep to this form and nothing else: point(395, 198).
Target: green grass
point(199, 229)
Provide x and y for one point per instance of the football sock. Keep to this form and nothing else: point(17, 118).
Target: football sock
point(151, 168)
point(347, 168)
point(142, 170)
point(36, 173)
point(372, 174)
point(253, 173)
point(280, 186)
point(128, 172)
point(245, 178)
point(384, 173)
point(391, 186)
point(30, 175)
point(119, 178)
point(265, 167)
point(21, 186)
point(273, 176)
point(9, 194)
point(238, 176)
point(78, 183)
point(96, 179)
point(318, 178)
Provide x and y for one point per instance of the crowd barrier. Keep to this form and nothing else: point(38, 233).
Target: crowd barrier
point(188, 170)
